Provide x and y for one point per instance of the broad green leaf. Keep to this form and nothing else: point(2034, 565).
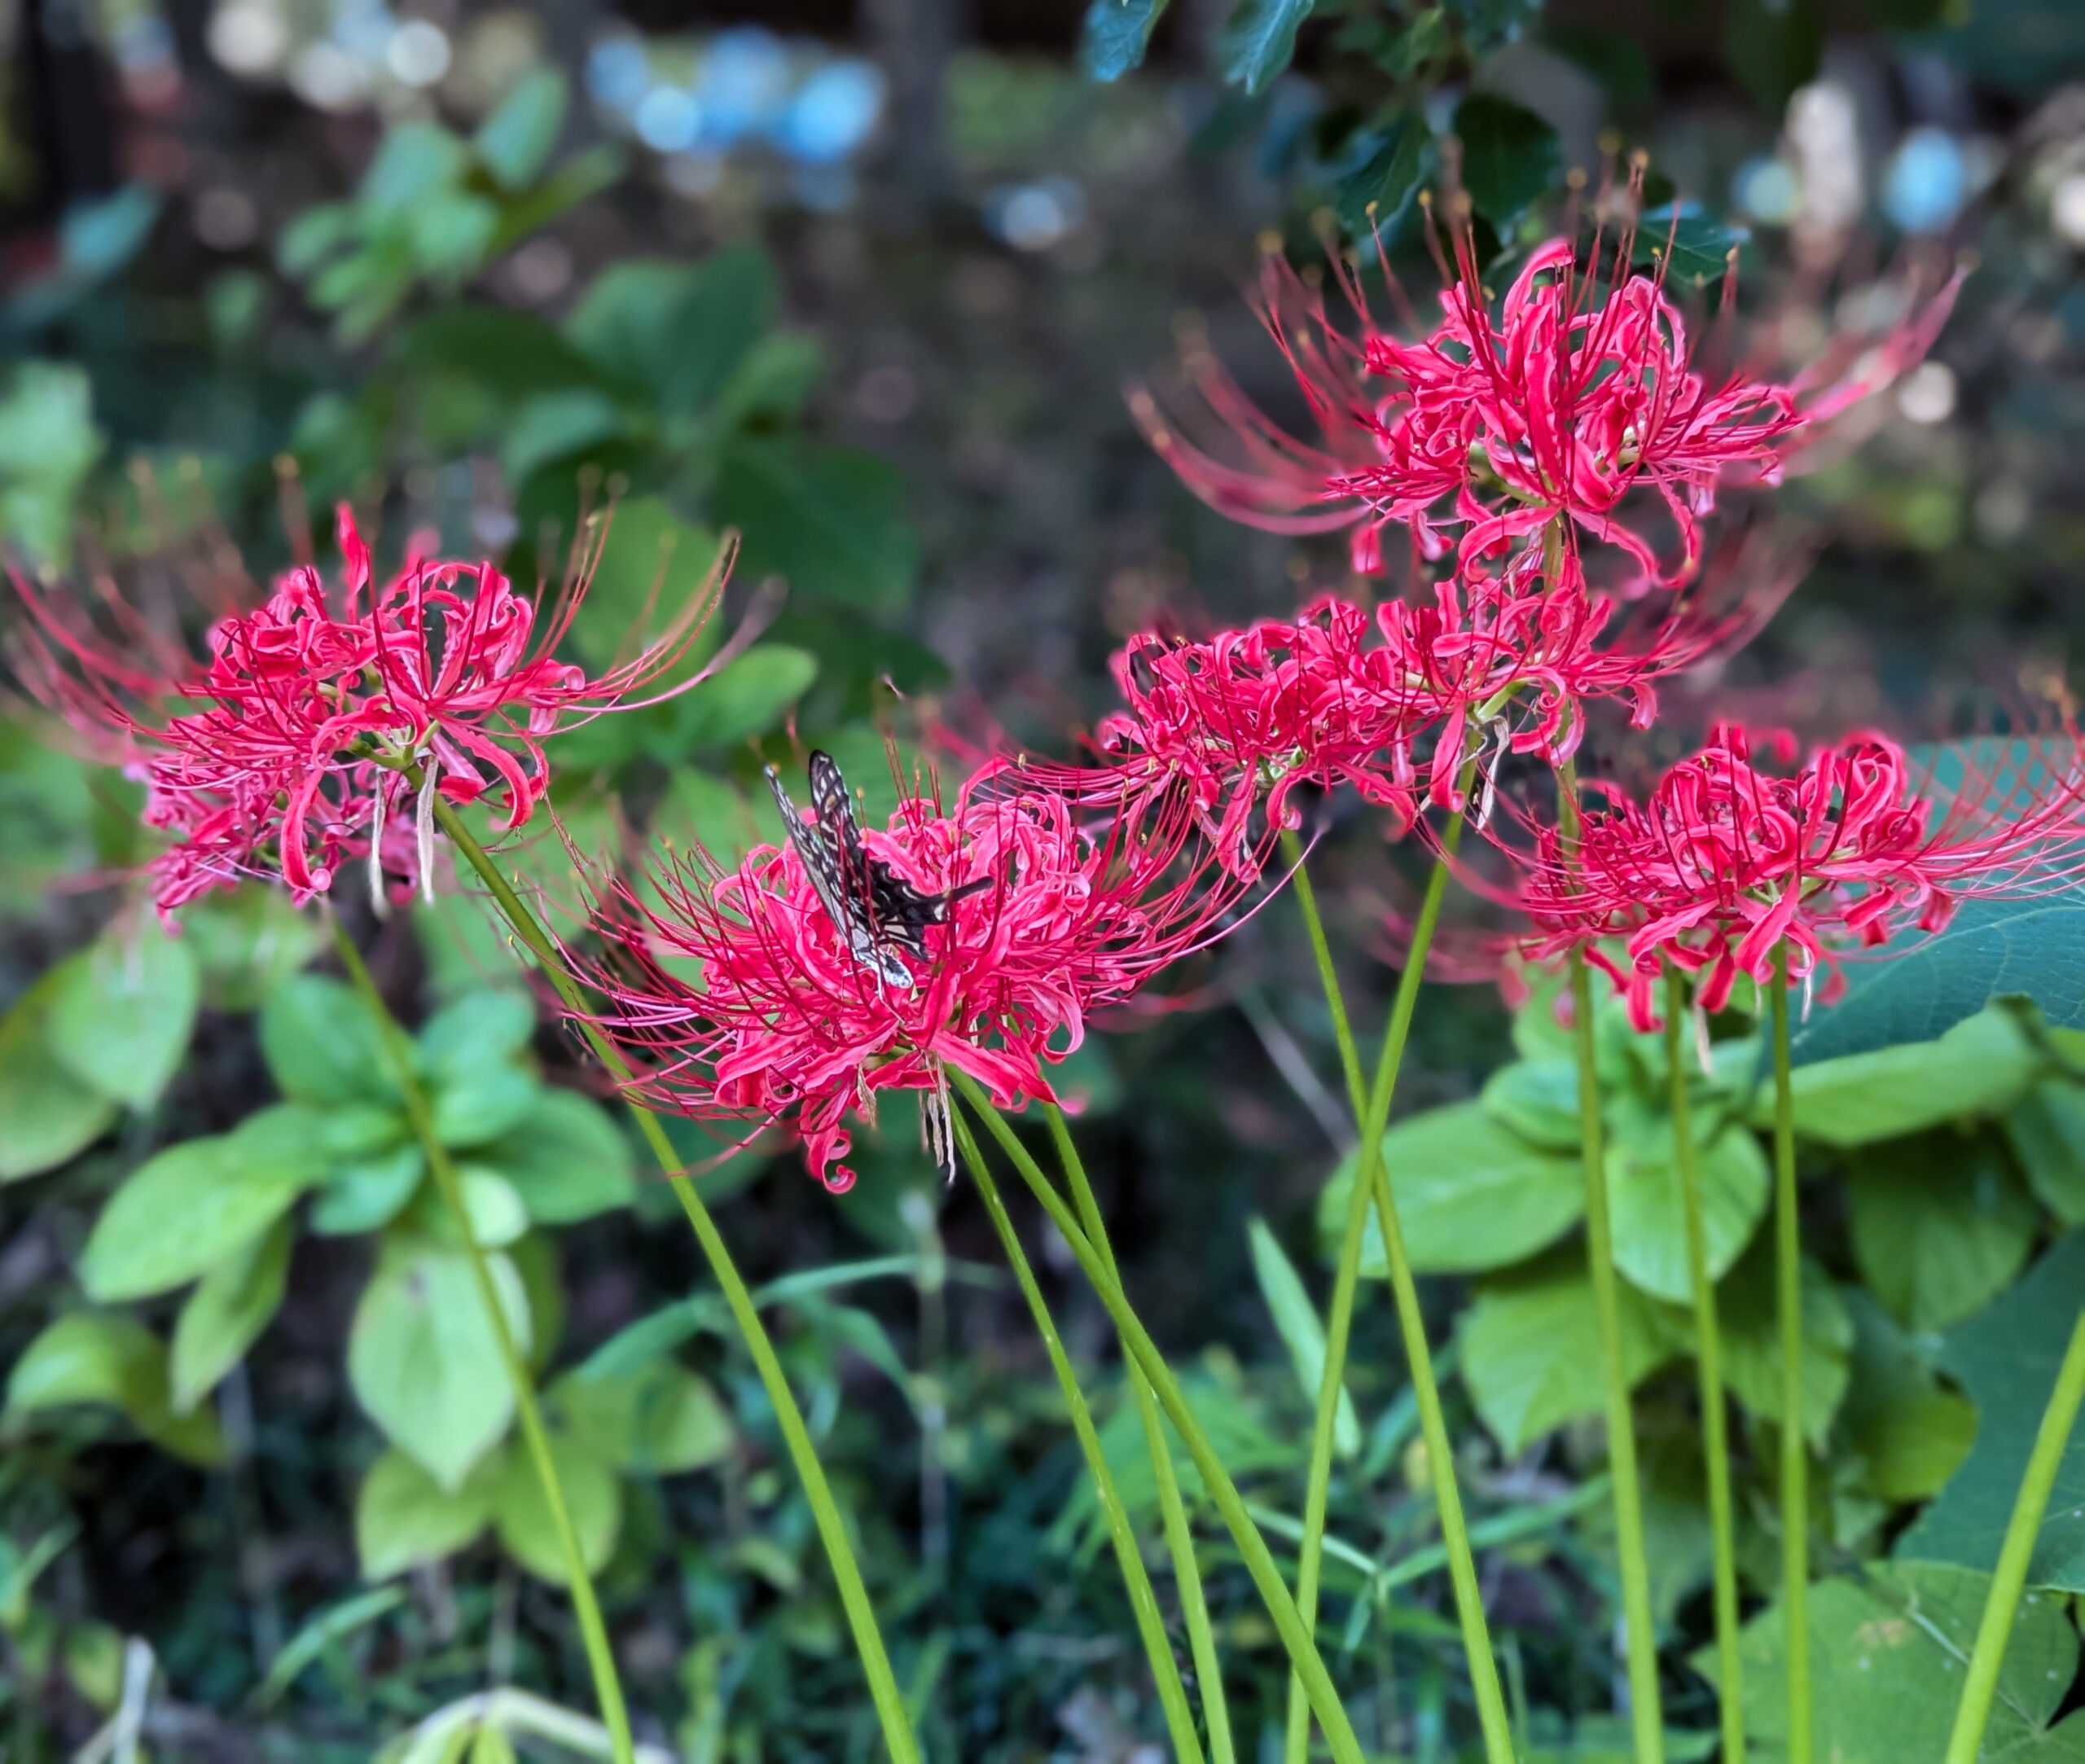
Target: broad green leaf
point(47, 1117)
point(749, 697)
point(1470, 1194)
point(1538, 1100)
point(367, 1192)
point(593, 1497)
point(1259, 42)
point(121, 1012)
point(95, 1357)
point(187, 1210)
point(481, 1101)
point(413, 163)
point(1990, 949)
point(1939, 1223)
point(2046, 1129)
point(515, 141)
point(425, 1361)
point(497, 1217)
point(1695, 248)
point(652, 565)
point(1301, 1330)
point(2005, 1359)
point(322, 1046)
point(560, 425)
point(654, 1420)
point(624, 320)
point(708, 813)
point(1510, 156)
point(224, 1316)
point(493, 1025)
point(1647, 1205)
point(1911, 1432)
point(567, 1159)
point(1377, 195)
point(452, 233)
point(830, 521)
point(1115, 35)
point(403, 1517)
point(247, 941)
point(1751, 1342)
point(1888, 1654)
point(465, 944)
point(731, 301)
point(1531, 1347)
point(1979, 1067)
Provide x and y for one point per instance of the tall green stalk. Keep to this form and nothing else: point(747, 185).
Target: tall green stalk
point(1259, 1561)
point(832, 1529)
point(1646, 1715)
point(1715, 1433)
point(600, 1658)
point(1372, 1186)
point(1980, 1687)
point(1180, 1538)
point(1795, 1452)
point(1143, 1601)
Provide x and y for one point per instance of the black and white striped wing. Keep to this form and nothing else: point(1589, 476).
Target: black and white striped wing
point(831, 850)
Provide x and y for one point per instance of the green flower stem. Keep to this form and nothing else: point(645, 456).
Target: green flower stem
point(1306, 898)
point(1795, 1451)
point(1980, 1688)
point(1646, 1717)
point(1372, 1185)
point(1179, 1539)
point(1259, 1561)
point(600, 1659)
point(832, 1529)
point(1715, 1435)
point(1144, 1600)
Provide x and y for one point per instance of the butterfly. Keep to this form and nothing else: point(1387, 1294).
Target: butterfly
point(877, 913)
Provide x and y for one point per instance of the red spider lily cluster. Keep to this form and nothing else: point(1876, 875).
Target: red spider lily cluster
point(285, 749)
point(1728, 859)
point(741, 1000)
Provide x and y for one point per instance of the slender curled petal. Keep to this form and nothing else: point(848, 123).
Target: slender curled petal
point(1728, 857)
point(736, 998)
point(283, 750)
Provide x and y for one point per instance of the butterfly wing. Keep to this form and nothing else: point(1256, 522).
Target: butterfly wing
point(839, 866)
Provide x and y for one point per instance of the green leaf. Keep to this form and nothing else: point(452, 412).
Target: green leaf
point(1531, 1347)
point(1510, 156)
point(92, 1357)
point(121, 1013)
point(2005, 1359)
point(246, 942)
point(730, 301)
point(322, 1046)
point(1751, 1342)
point(1773, 47)
point(403, 1517)
point(187, 1210)
point(654, 1420)
point(1538, 1100)
point(829, 520)
point(413, 163)
point(47, 1117)
point(1911, 1432)
point(710, 814)
point(367, 1192)
point(513, 142)
point(749, 697)
point(1990, 949)
point(494, 1025)
point(567, 1159)
point(452, 232)
point(1376, 197)
point(1116, 34)
point(1889, 1651)
point(1979, 1067)
point(425, 1361)
point(1470, 1194)
point(2046, 1129)
point(324, 1630)
point(593, 1497)
point(490, 1745)
point(1302, 1331)
point(652, 564)
point(224, 1316)
point(1692, 246)
point(551, 427)
point(1259, 42)
point(1649, 1205)
point(1940, 1225)
point(482, 1102)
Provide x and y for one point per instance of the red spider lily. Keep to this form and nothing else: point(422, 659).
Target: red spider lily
point(778, 1020)
point(1727, 860)
point(1556, 409)
point(285, 750)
